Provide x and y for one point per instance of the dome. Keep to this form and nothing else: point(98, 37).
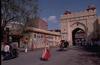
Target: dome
point(91, 7)
point(67, 12)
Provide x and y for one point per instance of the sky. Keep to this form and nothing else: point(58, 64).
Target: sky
point(51, 10)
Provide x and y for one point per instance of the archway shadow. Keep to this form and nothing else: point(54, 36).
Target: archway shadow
point(78, 36)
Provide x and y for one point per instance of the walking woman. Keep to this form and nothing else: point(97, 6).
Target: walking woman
point(46, 53)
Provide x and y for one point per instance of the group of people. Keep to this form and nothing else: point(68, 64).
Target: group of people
point(9, 51)
point(63, 44)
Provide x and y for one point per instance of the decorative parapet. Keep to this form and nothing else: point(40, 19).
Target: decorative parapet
point(32, 29)
point(90, 11)
point(78, 14)
point(91, 7)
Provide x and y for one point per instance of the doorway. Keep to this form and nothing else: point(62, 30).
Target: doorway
point(78, 37)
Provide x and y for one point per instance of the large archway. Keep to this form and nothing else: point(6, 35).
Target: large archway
point(78, 36)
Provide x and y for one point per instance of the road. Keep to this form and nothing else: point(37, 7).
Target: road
point(72, 56)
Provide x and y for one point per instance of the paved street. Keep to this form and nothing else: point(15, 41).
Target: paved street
point(72, 56)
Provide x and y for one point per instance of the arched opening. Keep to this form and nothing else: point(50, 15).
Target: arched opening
point(78, 36)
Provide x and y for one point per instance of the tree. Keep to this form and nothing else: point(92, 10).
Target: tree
point(17, 10)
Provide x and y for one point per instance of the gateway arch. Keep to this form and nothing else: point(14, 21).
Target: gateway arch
point(77, 27)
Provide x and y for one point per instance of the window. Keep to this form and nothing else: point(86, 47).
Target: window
point(34, 35)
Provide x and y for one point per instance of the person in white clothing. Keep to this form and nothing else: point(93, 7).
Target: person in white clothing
point(6, 48)
point(6, 51)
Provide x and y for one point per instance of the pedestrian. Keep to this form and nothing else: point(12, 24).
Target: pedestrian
point(6, 55)
point(66, 44)
point(14, 50)
point(26, 45)
point(61, 45)
point(46, 53)
point(26, 48)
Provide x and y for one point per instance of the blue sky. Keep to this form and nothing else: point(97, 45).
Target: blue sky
point(51, 10)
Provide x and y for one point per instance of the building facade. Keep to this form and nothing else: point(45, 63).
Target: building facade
point(79, 27)
point(37, 23)
point(15, 27)
point(42, 24)
point(15, 32)
point(39, 38)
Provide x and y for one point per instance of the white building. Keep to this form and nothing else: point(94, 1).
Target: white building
point(39, 38)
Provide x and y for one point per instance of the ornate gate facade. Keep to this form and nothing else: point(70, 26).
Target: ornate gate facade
point(76, 27)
